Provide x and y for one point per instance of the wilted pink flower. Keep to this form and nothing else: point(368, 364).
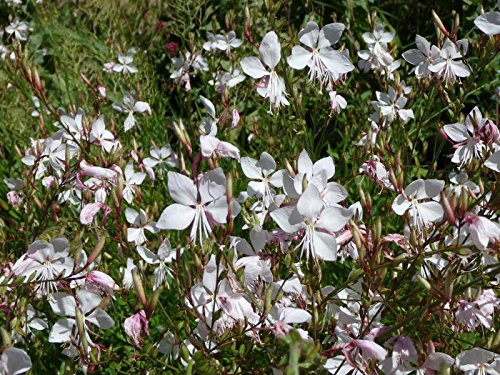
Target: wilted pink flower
point(135, 325)
point(14, 199)
point(88, 213)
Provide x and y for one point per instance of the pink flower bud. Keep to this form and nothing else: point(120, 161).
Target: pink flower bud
point(172, 47)
point(101, 281)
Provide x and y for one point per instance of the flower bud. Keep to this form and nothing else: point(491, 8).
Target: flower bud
point(97, 250)
point(439, 24)
point(449, 215)
point(139, 289)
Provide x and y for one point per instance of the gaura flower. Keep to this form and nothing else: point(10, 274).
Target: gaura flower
point(272, 85)
point(325, 64)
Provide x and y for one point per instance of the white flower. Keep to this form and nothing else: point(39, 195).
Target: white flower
point(337, 102)
point(482, 230)
point(161, 158)
point(165, 255)
point(422, 57)
point(448, 66)
point(493, 162)
point(131, 180)
point(103, 137)
point(63, 304)
point(139, 219)
point(184, 63)
point(325, 64)
point(131, 106)
point(422, 213)
point(319, 224)
point(203, 205)
point(390, 105)
point(271, 86)
point(125, 64)
point(467, 139)
point(222, 42)
point(47, 261)
point(478, 361)
point(19, 29)
point(262, 171)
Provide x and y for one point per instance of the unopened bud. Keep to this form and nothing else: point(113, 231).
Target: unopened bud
point(424, 282)
point(80, 324)
point(439, 24)
point(153, 302)
point(97, 250)
point(229, 187)
point(139, 289)
point(289, 168)
point(5, 337)
point(448, 285)
point(449, 215)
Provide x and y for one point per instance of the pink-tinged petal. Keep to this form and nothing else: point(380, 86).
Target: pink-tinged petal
point(292, 315)
point(15, 361)
point(400, 205)
point(148, 256)
point(212, 185)
point(430, 211)
point(63, 304)
point(88, 212)
point(310, 203)
point(88, 300)
point(141, 107)
point(330, 34)
point(101, 319)
point(61, 331)
point(250, 169)
point(253, 67)
point(218, 210)
point(457, 132)
point(282, 217)
point(135, 325)
point(270, 49)
point(335, 61)
point(299, 58)
point(493, 162)
point(488, 23)
point(182, 189)
point(304, 163)
point(437, 361)
point(334, 219)
point(176, 216)
point(325, 246)
point(309, 34)
point(370, 350)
